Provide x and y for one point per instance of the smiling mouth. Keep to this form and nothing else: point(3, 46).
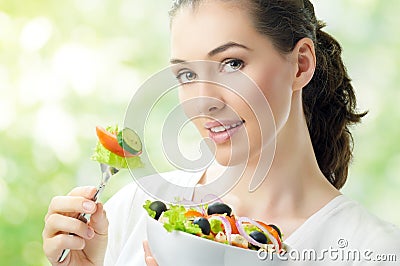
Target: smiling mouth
point(221, 132)
point(221, 128)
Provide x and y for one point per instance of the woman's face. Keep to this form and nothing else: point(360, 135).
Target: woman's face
point(222, 32)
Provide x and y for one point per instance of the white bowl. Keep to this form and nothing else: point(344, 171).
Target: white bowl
point(182, 249)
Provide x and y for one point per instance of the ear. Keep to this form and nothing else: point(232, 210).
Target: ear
point(305, 61)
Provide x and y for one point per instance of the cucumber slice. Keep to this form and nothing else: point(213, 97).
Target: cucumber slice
point(129, 140)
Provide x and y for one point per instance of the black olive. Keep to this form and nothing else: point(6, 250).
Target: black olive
point(219, 208)
point(277, 229)
point(259, 237)
point(203, 224)
point(159, 207)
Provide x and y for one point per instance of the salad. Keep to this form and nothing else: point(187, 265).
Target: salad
point(118, 148)
point(217, 222)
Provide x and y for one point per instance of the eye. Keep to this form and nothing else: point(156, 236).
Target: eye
point(186, 76)
point(231, 65)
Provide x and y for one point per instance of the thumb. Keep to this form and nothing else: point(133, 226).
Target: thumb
point(99, 221)
point(150, 261)
point(95, 248)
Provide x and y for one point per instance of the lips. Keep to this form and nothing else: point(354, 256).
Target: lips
point(222, 131)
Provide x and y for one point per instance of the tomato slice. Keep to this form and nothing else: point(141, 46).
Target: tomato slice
point(110, 142)
point(272, 232)
point(232, 221)
point(193, 213)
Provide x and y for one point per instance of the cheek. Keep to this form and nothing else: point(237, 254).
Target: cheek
point(276, 85)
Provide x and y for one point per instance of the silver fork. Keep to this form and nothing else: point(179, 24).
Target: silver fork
point(107, 172)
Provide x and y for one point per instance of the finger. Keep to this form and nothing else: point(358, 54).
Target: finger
point(54, 246)
point(87, 192)
point(57, 223)
point(70, 204)
point(99, 221)
point(147, 251)
point(62, 204)
point(95, 248)
point(150, 261)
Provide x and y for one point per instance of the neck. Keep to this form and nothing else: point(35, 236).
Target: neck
point(294, 187)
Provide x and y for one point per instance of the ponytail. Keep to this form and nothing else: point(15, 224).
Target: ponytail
point(329, 101)
point(329, 104)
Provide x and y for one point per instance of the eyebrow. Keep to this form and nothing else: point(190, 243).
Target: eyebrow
point(219, 49)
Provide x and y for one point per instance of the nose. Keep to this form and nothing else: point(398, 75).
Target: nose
point(207, 105)
point(209, 99)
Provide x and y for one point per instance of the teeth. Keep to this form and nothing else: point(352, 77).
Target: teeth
point(218, 129)
point(223, 128)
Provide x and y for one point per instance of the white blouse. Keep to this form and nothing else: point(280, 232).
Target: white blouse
point(341, 233)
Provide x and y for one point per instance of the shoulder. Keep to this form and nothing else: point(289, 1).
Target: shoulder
point(363, 229)
point(344, 220)
point(373, 230)
point(359, 216)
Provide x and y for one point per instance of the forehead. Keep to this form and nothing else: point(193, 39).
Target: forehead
point(195, 32)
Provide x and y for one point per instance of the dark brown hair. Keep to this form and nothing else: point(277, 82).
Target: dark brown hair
point(329, 101)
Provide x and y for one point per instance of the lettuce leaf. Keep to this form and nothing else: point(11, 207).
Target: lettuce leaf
point(248, 228)
point(177, 221)
point(103, 155)
point(146, 206)
point(216, 226)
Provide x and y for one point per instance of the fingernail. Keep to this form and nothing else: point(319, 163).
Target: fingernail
point(88, 205)
point(90, 233)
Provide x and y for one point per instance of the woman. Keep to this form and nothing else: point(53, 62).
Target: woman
point(281, 46)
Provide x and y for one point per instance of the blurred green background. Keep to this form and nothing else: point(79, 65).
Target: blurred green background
point(67, 66)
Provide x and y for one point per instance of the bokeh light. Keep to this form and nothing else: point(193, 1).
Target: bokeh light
point(67, 66)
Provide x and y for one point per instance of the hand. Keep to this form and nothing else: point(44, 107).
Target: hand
point(62, 229)
point(150, 261)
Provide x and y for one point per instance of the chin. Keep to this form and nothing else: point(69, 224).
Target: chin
point(229, 159)
point(222, 160)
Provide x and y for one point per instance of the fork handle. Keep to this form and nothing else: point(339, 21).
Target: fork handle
point(64, 254)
